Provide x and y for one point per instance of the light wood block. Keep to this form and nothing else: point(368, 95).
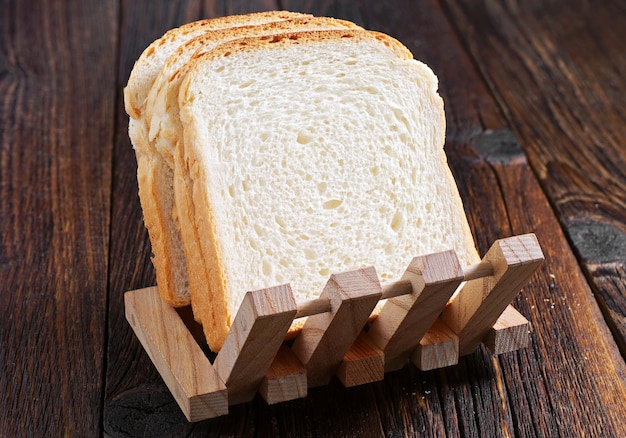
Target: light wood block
point(326, 337)
point(403, 320)
point(510, 332)
point(185, 369)
point(255, 336)
point(285, 379)
point(474, 310)
point(363, 363)
point(438, 348)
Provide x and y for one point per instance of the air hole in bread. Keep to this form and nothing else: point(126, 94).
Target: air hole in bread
point(332, 204)
point(397, 221)
point(304, 137)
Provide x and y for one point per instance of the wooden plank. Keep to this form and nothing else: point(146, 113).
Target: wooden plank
point(509, 333)
point(475, 308)
point(173, 350)
point(285, 379)
point(57, 100)
point(255, 336)
point(363, 363)
point(326, 337)
point(438, 348)
point(572, 133)
point(405, 319)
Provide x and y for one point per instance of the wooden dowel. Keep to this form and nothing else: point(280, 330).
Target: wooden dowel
point(402, 287)
point(392, 290)
point(477, 270)
point(313, 307)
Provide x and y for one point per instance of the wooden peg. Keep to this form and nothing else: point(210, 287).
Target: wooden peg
point(510, 332)
point(326, 337)
point(438, 348)
point(185, 369)
point(285, 379)
point(255, 336)
point(363, 363)
point(473, 311)
point(403, 320)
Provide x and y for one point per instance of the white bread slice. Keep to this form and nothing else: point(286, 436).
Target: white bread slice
point(161, 114)
point(158, 203)
point(313, 153)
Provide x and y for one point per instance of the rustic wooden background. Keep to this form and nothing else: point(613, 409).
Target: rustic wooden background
point(536, 108)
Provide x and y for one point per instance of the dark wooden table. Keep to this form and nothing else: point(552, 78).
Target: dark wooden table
point(536, 108)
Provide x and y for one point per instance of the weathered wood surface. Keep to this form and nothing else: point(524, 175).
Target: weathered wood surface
point(57, 119)
point(535, 79)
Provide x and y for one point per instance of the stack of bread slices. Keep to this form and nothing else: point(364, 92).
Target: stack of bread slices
point(279, 147)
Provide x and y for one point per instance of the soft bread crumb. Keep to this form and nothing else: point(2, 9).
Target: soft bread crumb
point(321, 152)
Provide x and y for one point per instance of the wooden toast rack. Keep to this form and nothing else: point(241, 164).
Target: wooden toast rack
point(422, 321)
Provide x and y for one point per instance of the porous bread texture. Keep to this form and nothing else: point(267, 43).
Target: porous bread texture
point(161, 114)
point(314, 153)
point(156, 200)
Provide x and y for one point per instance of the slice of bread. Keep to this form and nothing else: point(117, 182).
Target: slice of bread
point(161, 114)
point(157, 202)
point(312, 153)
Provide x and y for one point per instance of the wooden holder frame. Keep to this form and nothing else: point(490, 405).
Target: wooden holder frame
point(423, 321)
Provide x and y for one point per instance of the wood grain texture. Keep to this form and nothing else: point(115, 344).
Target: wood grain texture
point(562, 94)
point(57, 73)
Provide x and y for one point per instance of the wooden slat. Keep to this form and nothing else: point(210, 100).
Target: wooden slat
point(285, 379)
point(363, 363)
point(255, 336)
point(438, 348)
point(326, 337)
point(509, 333)
point(405, 319)
point(476, 307)
point(173, 350)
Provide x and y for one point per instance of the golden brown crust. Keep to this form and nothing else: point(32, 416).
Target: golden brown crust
point(154, 219)
point(215, 317)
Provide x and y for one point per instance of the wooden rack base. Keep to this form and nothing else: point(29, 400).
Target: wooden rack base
point(426, 319)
